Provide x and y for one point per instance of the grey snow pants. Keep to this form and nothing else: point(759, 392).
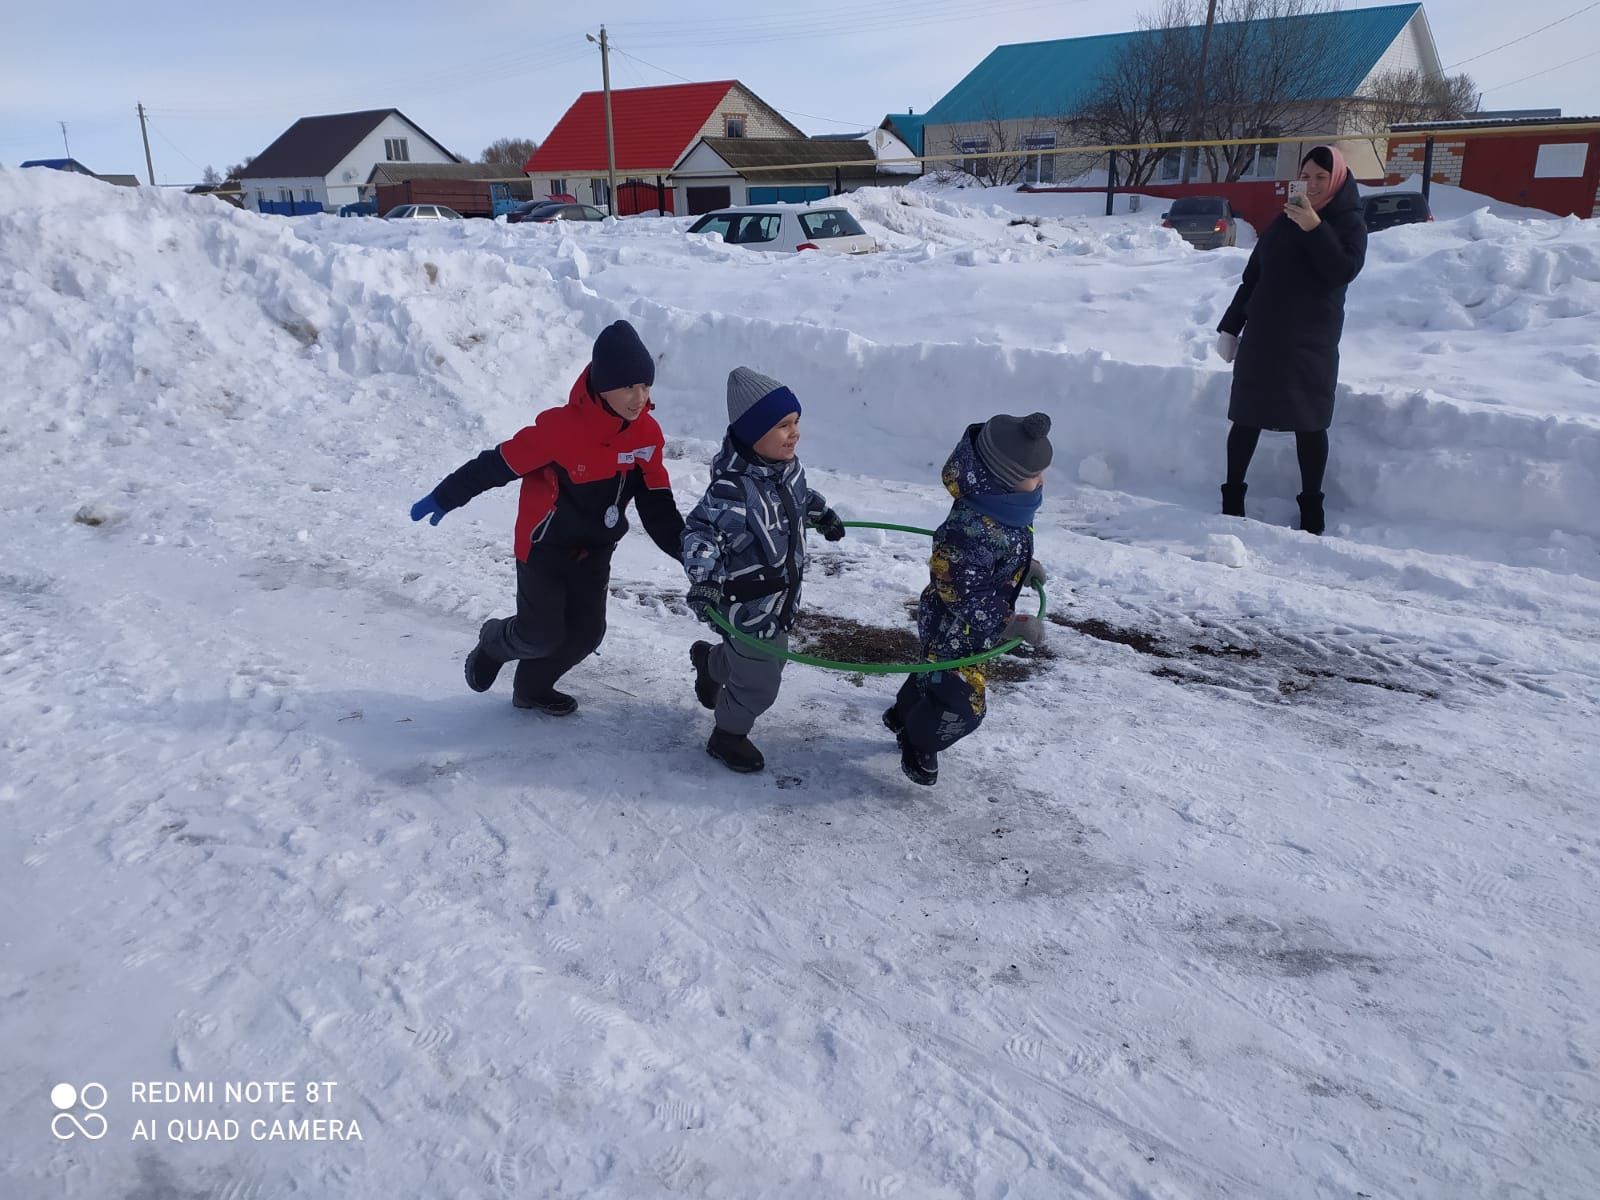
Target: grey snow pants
point(749, 681)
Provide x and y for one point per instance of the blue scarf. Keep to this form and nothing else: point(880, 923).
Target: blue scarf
point(1016, 509)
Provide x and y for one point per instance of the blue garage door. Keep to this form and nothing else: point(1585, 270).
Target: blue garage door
point(787, 195)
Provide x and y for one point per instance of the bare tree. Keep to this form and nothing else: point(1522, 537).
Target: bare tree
point(1144, 92)
point(995, 135)
point(239, 168)
point(510, 151)
point(1396, 96)
point(1265, 69)
point(210, 178)
point(1268, 63)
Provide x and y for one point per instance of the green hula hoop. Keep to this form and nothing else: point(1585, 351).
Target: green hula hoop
point(829, 664)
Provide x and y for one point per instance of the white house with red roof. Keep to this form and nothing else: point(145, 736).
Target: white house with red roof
point(653, 128)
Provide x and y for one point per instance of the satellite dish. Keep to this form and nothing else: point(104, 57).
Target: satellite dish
point(349, 175)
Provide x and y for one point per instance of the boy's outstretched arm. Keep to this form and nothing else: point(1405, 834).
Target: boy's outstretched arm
point(527, 450)
point(657, 509)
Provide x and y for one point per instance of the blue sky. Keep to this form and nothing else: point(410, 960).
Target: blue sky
point(222, 81)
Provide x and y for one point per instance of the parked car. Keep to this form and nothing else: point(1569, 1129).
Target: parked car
point(783, 227)
point(1386, 209)
point(553, 210)
point(422, 212)
point(1205, 222)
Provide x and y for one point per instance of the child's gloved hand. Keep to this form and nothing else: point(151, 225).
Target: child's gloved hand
point(703, 598)
point(1029, 629)
point(1035, 576)
point(1227, 347)
point(829, 525)
point(428, 507)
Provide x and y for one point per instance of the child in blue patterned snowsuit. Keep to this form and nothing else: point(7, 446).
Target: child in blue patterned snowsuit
point(745, 554)
point(982, 559)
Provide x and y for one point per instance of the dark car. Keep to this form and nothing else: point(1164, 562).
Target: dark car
point(1205, 222)
point(554, 210)
point(526, 210)
point(1386, 209)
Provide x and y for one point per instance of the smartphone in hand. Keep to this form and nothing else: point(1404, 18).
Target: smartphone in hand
point(1297, 192)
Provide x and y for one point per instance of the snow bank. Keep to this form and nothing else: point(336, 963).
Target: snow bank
point(175, 318)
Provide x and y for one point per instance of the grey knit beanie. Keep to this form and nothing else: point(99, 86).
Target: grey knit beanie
point(1014, 448)
point(756, 403)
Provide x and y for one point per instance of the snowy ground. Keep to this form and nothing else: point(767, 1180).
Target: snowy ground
point(1276, 878)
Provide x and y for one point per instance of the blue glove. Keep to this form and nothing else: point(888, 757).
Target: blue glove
point(428, 507)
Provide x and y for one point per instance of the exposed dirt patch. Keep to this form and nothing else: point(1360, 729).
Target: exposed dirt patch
point(1135, 639)
point(846, 640)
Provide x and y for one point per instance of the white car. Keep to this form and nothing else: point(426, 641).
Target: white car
point(422, 212)
point(788, 227)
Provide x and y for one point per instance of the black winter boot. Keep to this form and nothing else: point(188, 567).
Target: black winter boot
point(1311, 516)
point(552, 703)
point(481, 669)
point(734, 751)
point(706, 689)
point(920, 766)
point(1233, 499)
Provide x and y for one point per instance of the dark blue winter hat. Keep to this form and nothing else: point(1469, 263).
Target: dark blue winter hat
point(755, 404)
point(620, 359)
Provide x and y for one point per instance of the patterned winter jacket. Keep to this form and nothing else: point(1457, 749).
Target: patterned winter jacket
point(748, 535)
point(977, 567)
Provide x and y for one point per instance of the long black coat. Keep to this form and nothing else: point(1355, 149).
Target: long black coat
point(1288, 314)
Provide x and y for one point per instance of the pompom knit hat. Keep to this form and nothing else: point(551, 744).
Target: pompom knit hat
point(1013, 448)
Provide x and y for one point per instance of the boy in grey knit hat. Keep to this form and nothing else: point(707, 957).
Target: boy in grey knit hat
point(744, 552)
point(982, 559)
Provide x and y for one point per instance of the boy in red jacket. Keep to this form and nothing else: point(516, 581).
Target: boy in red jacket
point(579, 465)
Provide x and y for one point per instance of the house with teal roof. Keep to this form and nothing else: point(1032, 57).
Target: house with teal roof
point(1030, 96)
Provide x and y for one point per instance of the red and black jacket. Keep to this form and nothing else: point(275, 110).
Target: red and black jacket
point(577, 463)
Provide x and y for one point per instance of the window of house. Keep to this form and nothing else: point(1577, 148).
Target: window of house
point(600, 191)
point(973, 166)
point(286, 195)
point(1560, 160)
point(1265, 165)
point(558, 187)
point(396, 150)
point(307, 197)
point(1041, 168)
point(733, 124)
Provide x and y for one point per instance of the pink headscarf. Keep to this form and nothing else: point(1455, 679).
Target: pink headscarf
point(1336, 177)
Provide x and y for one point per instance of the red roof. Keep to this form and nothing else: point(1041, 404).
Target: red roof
point(652, 127)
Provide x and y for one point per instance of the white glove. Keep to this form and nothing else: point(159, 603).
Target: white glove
point(1227, 346)
point(1035, 574)
point(1029, 629)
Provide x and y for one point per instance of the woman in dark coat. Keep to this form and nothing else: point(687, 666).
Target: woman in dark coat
point(1284, 326)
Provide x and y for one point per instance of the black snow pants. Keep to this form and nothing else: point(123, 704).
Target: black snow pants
point(939, 708)
point(561, 616)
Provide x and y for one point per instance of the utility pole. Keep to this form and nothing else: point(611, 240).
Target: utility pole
point(64, 141)
point(145, 133)
point(611, 142)
point(1199, 88)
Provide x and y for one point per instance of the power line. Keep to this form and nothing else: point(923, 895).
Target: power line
point(886, 16)
point(1524, 37)
point(1546, 71)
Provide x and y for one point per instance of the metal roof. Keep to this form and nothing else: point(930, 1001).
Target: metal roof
point(652, 127)
point(746, 154)
point(314, 146)
point(1058, 78)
